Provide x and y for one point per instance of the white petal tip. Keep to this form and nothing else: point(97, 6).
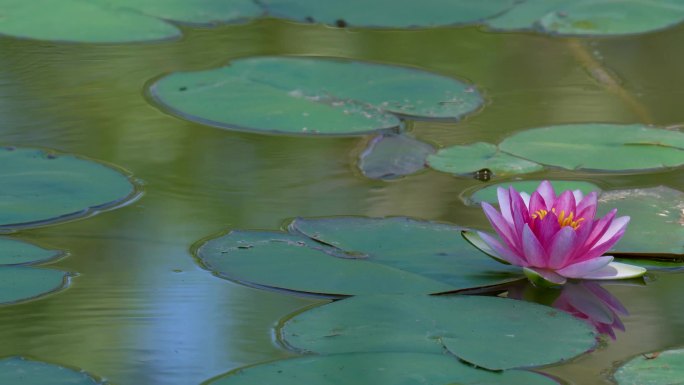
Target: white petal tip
point(616, 270)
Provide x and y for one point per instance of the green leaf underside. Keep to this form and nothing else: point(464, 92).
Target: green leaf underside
point(19, 283)
point(350, 256)
point(658, 368)
point(656, 227)
point(488, 193)
point(39, 187)
point(20, 371)
point(15, 252)
point(590, 17)
point(489, 332)
point(393, 156)
point(467, 159)
point(376, 369)
point(312, 96)
point(387, 13)
point(601, 147)
point(114, 21)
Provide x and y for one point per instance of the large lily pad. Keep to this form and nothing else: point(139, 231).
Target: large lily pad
point(604, 147)
point(312, 96)
point(657, 368)
point(40, 187)
point(19, 283)
point(14, 252)
point(387, 13)
point(488, 193)
point(656, 227)
point(110, 21)
point(376, 369)
point(471, 158)
point(393, 156)
point(20, 371)
point(590, 17)
point(489, 332)
point(353, 255)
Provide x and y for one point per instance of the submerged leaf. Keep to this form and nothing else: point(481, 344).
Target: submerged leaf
point(393, 156)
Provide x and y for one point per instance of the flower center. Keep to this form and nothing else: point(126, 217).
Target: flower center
point(562, 219)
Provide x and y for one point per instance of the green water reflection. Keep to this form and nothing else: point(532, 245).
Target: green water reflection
point(142, 312)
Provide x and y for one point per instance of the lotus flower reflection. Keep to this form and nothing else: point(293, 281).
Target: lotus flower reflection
point(555, 237)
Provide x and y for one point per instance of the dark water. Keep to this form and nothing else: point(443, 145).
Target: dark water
point(142, 312)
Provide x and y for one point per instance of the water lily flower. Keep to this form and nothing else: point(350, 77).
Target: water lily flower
point(554, 237)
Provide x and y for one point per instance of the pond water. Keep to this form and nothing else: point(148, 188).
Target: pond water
point(141, 311)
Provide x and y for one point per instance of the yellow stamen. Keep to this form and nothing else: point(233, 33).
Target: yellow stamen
point(562, 219)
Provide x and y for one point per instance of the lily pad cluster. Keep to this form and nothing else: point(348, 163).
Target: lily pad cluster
point(591, 147)
point(19, 279)
point(109, 21)
point(310, 96)
point(389, 265)
point(19, 370)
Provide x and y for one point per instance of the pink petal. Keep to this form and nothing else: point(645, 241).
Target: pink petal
point(586, 208)
point(584, 268)
point(578, 195)
point(533, 250)
point(545, 189)
point(619, 224)
point(600, 249)
point(605, 296)
point(505, 204)
point(547, 275)
point(536, 203)
point(502, 227)
point(501, 252)
point(565, 203)
point(526, 198)
point(561, 247)
point(600, 227)
point(547, 228)
point(520, 214)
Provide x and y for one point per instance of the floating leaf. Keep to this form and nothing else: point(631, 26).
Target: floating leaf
point(19, 283)
point(350, 255)
point(467, 159)
point(376, 369)
point(114, 21)
point(312, 96)
point(656, 227)
point(489, 332)
point(14, 252)
point(393, 156)
point(605, 147)
point(657, 368)
point(40, 187)
point(387, 13)
point(488, 193)
point(590, 17)
point(20, 371)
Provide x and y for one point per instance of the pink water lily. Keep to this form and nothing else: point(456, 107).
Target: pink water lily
point(554, 237)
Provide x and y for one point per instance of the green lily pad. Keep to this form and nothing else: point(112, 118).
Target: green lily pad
point(114, 21)
point(377, 369)
point(312, 96)
point(489, 332)
point(354, 255)
point(488, 193)
point(467, 159)
point(394, 156)
point(656, 227)
point(20, 371)
point(604, 147)
point(14, 252)
point(40, 187)
point(387, 13)
point(20, 283)
point(658, 368)
point(590, 17)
